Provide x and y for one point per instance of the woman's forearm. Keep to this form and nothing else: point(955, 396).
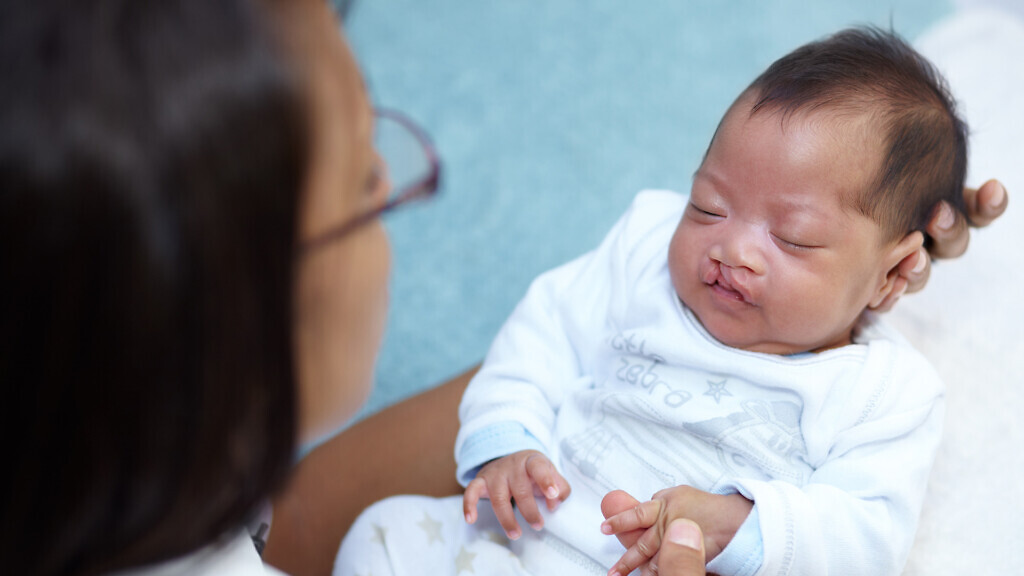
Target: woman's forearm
point(404, 449)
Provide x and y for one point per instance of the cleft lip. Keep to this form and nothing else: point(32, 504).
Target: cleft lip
point(726, 280)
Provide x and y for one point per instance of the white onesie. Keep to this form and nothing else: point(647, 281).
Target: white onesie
point(602, 368)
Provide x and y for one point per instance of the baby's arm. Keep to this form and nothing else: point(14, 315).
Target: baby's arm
point(861, 501)
point(509, 411)
point(537, 361)
point(520, 477)
point(641, 526)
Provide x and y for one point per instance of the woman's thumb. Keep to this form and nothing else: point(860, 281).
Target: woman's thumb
point(682, 550)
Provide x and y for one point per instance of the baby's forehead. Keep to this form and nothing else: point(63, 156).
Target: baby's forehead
point(849, 140)
point(847, 129)
point(853, 123)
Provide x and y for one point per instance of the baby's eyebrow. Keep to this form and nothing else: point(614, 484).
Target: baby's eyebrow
point(797, 206)
point(715, 180)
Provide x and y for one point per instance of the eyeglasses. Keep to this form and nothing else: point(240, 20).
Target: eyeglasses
point(411, 165)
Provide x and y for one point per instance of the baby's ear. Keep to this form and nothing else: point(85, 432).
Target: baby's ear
point(891, 259)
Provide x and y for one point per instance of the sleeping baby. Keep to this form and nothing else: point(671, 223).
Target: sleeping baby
point(717, 351)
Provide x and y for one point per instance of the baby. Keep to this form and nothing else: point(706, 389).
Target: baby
point(717, 352)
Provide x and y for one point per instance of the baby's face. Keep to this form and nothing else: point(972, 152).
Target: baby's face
point(767, 255)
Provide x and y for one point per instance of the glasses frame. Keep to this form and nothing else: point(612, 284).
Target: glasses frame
point(422, 189)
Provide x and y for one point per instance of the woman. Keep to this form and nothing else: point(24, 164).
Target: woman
point(194, 283)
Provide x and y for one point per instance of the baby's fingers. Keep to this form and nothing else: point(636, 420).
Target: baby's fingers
point(546, 477)
point(523, 494)
point(501, 502)
point(643, 515)
point(638, 554)
point(475, 490)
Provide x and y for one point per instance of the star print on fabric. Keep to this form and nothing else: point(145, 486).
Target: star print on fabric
point(464, 561)
point(717, 389)
point(379, 534)
point(432, 528)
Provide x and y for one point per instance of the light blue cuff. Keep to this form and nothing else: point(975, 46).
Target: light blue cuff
point(492, 442)
point(745, 553)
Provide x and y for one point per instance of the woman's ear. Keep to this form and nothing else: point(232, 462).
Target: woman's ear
point(898, 252)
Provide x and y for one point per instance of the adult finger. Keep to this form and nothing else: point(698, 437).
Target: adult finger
point(986, 203)
point(682, 550)
point(615, 502)
point(949, 232)
point(638, 554)
point(651, 568)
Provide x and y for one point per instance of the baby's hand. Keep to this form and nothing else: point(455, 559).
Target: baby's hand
point(640, 526)
point(521, 476)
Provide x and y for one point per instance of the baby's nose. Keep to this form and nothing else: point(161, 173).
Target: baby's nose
point(741, 250)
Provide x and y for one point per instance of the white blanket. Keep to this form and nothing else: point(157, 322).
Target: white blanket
point(970, 319)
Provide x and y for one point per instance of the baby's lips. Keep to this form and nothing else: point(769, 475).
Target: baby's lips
point(709, 272)
point(728, 280)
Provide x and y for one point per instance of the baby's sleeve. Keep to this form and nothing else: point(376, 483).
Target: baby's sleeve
point(541, 353)
point(858, 512)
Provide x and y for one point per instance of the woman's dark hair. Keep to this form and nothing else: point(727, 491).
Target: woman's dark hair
point(873, 72)
point(151, 157)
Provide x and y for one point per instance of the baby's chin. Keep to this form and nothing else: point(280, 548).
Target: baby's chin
point(736, 336)
point(767, 347)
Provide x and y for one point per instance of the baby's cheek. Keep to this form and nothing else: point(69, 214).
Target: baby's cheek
point(677, 282)
point(682, 272)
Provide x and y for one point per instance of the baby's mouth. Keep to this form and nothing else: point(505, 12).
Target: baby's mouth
point(725, 287)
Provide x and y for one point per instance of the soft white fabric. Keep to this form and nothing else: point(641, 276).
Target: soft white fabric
point(617, 380)
point(417, 535)
point(968, 321)
point(235, 557)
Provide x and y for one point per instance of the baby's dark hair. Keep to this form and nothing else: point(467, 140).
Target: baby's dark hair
point(871, 71)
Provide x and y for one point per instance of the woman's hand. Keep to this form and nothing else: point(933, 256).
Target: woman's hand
point(522, 477)
point(681, 551)
point(950, 235)
point(642, 526)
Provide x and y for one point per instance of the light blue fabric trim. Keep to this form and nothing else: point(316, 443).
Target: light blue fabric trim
point(745, 553)
point(492, 442)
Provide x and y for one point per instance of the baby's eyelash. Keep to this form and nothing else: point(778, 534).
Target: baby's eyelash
point(794, 245)
point(703, 211)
